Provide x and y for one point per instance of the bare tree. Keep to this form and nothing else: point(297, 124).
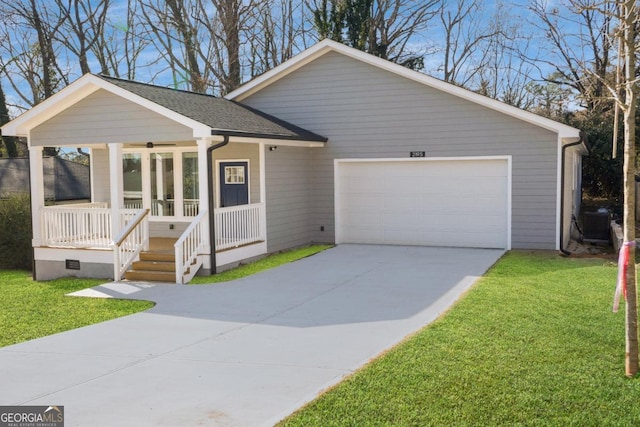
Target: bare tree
point(384, 28)
point(84, 26)
point(176, 38)
point(32, 25)
point(202, 41)
point(395, 23)
point(468, 34)
point(576, 45)
point(30, 55)
point(280, 31)
point(501, 73)
point(628, 24)
point(120, 46)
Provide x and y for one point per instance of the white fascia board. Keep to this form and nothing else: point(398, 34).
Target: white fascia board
point(80, 89)
point(76, 91)
point(275, 141)
point(326, 46)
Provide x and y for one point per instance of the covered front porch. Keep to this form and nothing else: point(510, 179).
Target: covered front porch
point(164, 164)
point(142, 192)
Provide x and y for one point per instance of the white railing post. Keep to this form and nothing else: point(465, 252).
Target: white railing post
point(189, 248)
point(130, 242)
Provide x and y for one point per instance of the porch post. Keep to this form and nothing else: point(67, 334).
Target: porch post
point(36, 175)
point(203, 189)
point(117, 186)
point(263, 191)
point(263, 188)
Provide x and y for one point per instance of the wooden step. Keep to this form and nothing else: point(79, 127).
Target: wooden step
point(150, 276)
point(154, 265)
point(158, 256)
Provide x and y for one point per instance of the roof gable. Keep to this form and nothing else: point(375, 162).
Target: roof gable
point(222, 116)
point(206, 115)
point(326, 46)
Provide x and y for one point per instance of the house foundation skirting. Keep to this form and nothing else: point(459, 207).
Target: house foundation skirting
point(53, 263)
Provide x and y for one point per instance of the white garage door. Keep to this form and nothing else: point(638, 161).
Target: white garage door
point(432, 202)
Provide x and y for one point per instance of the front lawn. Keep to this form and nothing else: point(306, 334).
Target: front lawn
point(534, 343)
point(30, 309)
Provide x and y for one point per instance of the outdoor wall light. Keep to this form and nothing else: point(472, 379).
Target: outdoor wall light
point(149, 144)
point(273, 148)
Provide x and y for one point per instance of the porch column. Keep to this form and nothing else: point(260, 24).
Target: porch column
point(117, 186)
point(263, 174)
point(263, 191)
point(37, 192)
point(203, 189)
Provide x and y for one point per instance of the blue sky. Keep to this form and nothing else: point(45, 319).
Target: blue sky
point(430, 42)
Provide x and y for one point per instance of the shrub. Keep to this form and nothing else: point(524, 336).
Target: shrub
point(15, 232)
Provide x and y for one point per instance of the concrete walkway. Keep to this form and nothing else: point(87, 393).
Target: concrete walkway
point(243, 353)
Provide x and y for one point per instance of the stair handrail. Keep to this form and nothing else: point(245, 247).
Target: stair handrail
point(132, 240)
point(188, 249)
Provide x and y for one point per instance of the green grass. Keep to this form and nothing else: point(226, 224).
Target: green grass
point(30, 309)
point(266, 263)
point(534, 343)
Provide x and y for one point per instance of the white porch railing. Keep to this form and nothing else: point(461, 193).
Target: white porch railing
point(239, 225)
point(86, 225)
point(133, 239)
point(89, 226)
point(189, 249)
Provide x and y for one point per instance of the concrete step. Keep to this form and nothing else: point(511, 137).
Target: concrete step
point(150, 276)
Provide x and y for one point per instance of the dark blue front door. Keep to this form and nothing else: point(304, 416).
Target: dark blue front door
point(234, 183)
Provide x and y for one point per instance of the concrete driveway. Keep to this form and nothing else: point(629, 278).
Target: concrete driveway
point(243, 353)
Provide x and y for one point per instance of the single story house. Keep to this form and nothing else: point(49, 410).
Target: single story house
point(64, 180)
point(334, 145)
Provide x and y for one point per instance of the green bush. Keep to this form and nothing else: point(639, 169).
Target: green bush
point(15, 232)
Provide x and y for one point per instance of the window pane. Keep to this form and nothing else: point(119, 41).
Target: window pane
point(234, 175)
point(132, 177)
point(190, 183)
point(162, 190)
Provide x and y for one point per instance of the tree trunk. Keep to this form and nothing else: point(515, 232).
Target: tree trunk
point(9, 141)
point(629, 226)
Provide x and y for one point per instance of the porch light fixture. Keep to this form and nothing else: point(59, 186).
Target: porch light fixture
point(149, 144)
point(273, 147)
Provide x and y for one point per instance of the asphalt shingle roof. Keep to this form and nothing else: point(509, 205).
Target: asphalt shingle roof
point(225, 117)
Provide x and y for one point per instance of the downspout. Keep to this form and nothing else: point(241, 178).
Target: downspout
point(563, 251)
point(212, 223)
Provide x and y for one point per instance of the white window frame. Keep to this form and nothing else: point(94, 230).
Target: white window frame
point(178, 183)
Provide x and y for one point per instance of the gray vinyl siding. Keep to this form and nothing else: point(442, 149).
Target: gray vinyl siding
point(288, 197)
point(106, 118)
point(367, 112)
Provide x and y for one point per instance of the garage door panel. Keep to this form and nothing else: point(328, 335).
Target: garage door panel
point(440, 203)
